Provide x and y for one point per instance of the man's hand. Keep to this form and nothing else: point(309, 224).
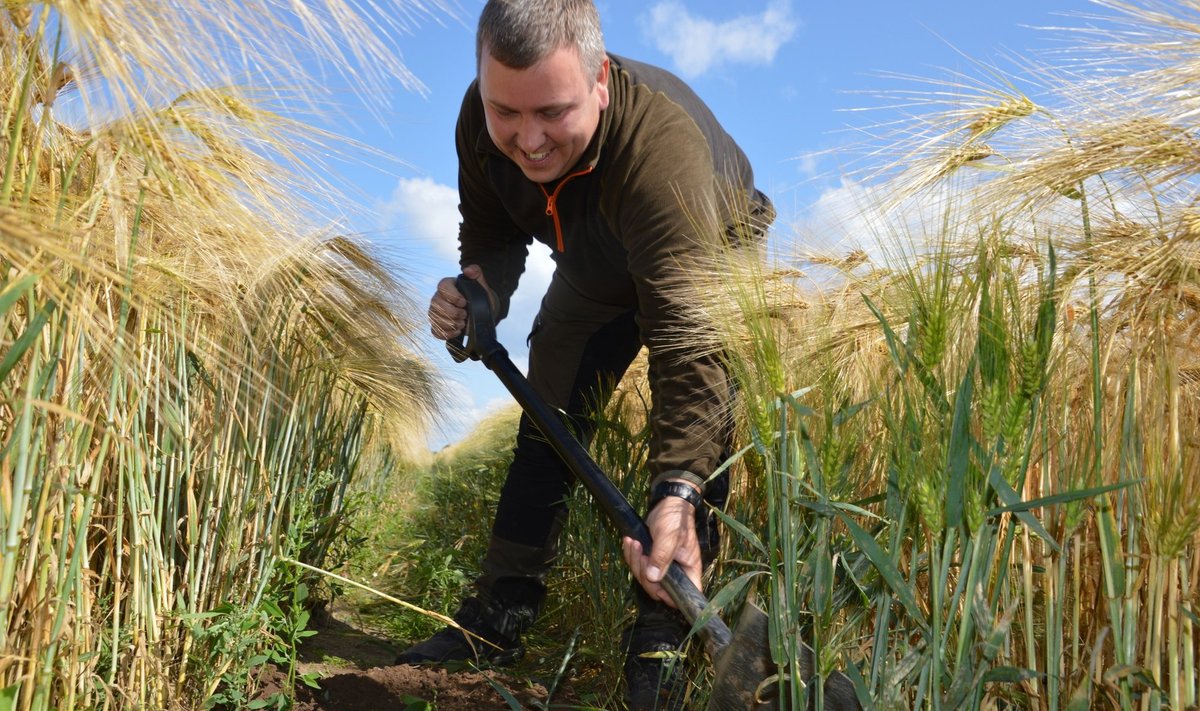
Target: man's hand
point(448, 307)
point(672, 524)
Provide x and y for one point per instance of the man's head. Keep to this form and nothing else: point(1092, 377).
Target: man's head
point(543, 78)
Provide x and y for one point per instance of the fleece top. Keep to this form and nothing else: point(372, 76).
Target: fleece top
point(658, 188)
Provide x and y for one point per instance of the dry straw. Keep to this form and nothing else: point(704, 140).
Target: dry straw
point(193, 368)
point(951, 438)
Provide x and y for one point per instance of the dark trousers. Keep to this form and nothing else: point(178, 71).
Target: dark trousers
point(579, 350)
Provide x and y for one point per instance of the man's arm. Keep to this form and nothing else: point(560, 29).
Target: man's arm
point(670, 224)
point(487, 236)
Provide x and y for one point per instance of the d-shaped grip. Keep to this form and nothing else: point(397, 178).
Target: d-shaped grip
point(480, 333)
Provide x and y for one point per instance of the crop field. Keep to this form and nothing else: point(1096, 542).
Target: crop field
point(969, 439)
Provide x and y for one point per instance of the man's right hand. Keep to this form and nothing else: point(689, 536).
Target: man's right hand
point(448, 307)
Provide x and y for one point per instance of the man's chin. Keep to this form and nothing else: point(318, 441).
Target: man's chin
point(539, 174)
point(543, 175)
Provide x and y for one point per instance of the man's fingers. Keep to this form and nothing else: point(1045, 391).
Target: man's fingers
point(661, 557)
point(447, 310)
point(639, 567)
point(633, 557)
point(448, 292)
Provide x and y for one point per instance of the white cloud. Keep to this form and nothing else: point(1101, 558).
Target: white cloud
point(697, 44)
point(867, 217)
point(855, 216)
point(525, 303)
point(428, 211)
point(808, 164)
point(463, 408)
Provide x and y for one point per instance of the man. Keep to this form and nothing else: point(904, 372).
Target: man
point(628, 177)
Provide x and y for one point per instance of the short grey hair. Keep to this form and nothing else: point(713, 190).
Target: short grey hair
point(521, 33)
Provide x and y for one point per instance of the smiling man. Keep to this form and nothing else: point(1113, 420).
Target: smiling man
point(622, 170)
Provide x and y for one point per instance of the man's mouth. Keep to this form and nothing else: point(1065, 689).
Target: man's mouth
point(536, 157)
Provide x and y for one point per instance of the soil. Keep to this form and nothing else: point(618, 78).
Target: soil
point(355, 673)
point(417, 688)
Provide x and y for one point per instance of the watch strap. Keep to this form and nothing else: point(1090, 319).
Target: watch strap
point(687, 492)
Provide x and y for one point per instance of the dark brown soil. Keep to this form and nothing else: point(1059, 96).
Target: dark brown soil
point(354, 671)
point(404, 687)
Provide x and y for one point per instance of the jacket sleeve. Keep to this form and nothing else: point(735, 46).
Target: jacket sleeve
point(669, 220)
point(487, 235)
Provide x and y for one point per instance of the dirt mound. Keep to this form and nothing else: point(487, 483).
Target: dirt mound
point(405, 687)
point(353, 667)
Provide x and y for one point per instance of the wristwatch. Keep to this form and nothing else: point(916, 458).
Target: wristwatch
point(687, 492)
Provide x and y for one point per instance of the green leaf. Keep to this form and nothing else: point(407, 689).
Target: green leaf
point(1129, 672)
point(1063, 498)
point(827, 508)
point(723, 597)
point(27, 339)
point(958, 455)
point(888, 333)
point(1110, 547)
point(273, 609)
point(991, 347)
point(1010, 675)
point(883, 563)
point(845, 414)
point(860, 688)
point(1047, 316)
point(15, 291)
point(1010, 498)
point(413, 703)
point(505, 694)
point(258, 704)
point(802, 411)
point(729, 462)
point(8, 697)
point(258, 660)
point(741, 529)
point(1081, 698)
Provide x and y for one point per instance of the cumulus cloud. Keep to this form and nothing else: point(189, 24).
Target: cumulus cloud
point(466, 405)
point(861, 217)
point(855, 216)
point(473, 391)
point(697, 44)
point(427, 210)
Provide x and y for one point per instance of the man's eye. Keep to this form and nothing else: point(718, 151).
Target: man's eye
point(552, 115)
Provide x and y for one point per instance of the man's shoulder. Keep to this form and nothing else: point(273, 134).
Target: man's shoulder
point(654, 77)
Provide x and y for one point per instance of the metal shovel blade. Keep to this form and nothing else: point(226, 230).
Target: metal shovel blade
point(743, 665)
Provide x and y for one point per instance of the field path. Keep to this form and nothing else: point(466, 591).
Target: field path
point(356, 674)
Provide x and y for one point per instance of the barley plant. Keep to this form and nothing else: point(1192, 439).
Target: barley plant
point(193, 368)
point(973, 440)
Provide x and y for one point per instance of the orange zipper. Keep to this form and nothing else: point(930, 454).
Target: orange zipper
point(552, 204)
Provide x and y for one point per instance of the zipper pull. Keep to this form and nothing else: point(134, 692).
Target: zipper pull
point(550, 205)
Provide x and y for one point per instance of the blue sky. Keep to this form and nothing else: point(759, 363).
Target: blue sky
point(784, 77)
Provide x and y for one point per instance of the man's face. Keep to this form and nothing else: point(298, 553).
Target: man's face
point(543, 117)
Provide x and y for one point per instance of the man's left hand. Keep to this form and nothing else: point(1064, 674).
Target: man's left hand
point(672, 524)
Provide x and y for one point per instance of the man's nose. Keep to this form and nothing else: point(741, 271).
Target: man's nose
point(530, 135)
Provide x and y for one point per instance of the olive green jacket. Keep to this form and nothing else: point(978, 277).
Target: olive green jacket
point(657, 189)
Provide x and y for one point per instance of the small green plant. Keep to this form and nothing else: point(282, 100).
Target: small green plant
point(413, 703)
point(413, 553)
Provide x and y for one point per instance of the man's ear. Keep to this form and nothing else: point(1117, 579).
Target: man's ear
point(602, 84)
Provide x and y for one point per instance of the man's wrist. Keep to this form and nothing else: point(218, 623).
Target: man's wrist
point(679, 475)
point(676, 488)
